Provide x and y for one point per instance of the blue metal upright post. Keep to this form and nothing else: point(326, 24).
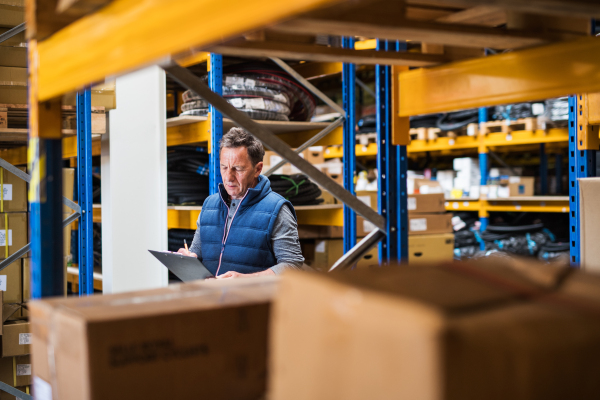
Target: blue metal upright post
point(85, 192)
point(582, 164)
point(215, 82)
point(484, 173)
point(349, 144)
point(543, 169)
point(390, 163)
point(45, 195)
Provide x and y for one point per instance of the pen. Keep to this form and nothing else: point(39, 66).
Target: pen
point(185, 244)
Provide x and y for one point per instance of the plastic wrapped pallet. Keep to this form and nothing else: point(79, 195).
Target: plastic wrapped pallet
point(204, 339)
point(505, 329)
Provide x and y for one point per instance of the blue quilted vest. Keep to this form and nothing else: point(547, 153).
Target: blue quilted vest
point(247, 247)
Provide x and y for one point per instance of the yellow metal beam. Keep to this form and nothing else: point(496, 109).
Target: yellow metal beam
point(561, 206)
point(593, 108)
point(197, 132)
point(462, 205)
point(369, 44)
point(587, 133)
point(127, 34)
point(443, 143)
point(193, 59)
point(312, 70)
point(295, 139)
point(182, 219)
point(517, 138)
point(361, 151)
point(320, 216)
point(538, 73)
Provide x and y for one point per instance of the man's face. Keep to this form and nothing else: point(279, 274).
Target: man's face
point(237, 171)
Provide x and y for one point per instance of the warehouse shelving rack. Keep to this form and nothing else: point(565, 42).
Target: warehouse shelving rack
point(111, 31)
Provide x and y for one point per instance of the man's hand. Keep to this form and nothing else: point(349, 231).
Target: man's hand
point(187, 253)
point(233, 274)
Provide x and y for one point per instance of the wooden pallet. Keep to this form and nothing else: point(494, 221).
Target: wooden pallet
point(507, 126)
point(434, 133)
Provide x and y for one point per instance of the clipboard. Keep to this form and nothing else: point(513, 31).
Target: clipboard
point(184, 267)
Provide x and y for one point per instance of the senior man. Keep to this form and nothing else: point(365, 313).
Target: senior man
point(245, 229)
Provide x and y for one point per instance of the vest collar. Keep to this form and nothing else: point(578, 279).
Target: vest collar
point(254, 195)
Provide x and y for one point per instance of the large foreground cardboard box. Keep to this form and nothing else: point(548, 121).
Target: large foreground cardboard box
point(589, 223)
point(205, 339)
point(454, 332)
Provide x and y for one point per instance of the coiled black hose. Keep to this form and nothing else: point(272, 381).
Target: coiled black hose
point(298, 189)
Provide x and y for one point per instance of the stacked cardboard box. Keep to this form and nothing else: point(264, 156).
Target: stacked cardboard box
point(313, 155)
point(15, 338)
point(430, 237)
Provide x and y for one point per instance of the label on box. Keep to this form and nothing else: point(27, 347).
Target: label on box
point(368, 226)
point(3, 237)
point(7, 196)
point(418, 224)
point(364, 199)
point(3, 283)
point(236, 102)
point(514, 179)
point(23, 369)
point(256, 104)
point(24, 338)
point(42, 389)
point(320, 247)
point(412, 203)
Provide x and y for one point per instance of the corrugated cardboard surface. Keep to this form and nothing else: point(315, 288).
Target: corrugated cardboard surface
point(21, 376)
point(12, 276)
point(14, 198)
point(521, 186)
point(428, 249)
point(425, 224)
point(426, 203)
point(16, 338)
point(463, 332)
point(17, 227)
point(589, 223)
point(205, 339)
point(26, 278)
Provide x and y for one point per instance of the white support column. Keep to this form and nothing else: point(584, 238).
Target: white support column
point(134, 184)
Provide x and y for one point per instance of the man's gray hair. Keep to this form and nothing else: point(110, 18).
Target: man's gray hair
point(238, 137)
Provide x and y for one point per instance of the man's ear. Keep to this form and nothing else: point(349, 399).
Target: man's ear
point(259, 168)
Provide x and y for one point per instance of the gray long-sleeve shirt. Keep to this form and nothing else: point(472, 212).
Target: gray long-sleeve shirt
point(284, 239)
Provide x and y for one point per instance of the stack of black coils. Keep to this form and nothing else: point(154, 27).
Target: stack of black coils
point(298, 189)
point(261, 90)
point(187, 176)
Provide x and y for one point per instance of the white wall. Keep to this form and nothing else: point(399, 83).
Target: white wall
point(134, 184)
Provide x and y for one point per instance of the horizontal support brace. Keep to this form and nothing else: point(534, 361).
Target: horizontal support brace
point(14, 31)
point(302, 52)
point(513, 77)
point(15, 392)
point(393, 28)
point(189, 80)
point(127, 34)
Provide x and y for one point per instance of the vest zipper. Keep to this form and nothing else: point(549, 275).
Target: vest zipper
point(225, 230)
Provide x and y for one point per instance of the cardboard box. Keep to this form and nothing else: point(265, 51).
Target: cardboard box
point(337, 177)
point(14, 57)
point(370, 198)
point(423, 186)
point(327, 197)
point(426, 203)
point(369, 260)
point(17, 233)
point(363, 227)
point(425, 224)
point(320, 232)
point(14, 192)
point(327, 252)
point(15, 371)
point(6, 396)
point(11, 283)
point(26, 278)
point(13, 76)
point(16, 338)
point(430, 249)
point(314, 155)
point(456, 332)
point(203, 339)
point(589, 223)
point(520, 186)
